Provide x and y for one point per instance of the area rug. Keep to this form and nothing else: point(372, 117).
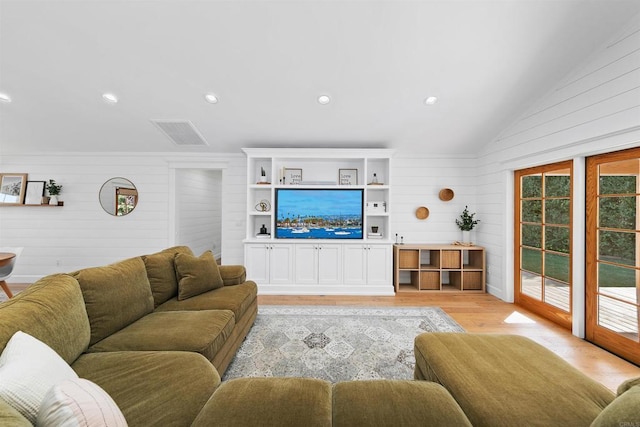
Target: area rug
point(335, 343)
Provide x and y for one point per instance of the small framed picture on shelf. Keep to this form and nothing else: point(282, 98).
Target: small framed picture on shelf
point(292, 176)
point(12, 186)
point(34, 193)
point(348, 176)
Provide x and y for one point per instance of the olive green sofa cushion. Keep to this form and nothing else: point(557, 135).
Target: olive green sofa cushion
point(278, 402)
point(152, 388)
point(203, 332)
point(623, 411)
point(162, 273)
point(197, 275)
point(507, 380)
point(51, 310)
point(237, 298)
point(387, 403)
point(115, 296)
point(10, 416)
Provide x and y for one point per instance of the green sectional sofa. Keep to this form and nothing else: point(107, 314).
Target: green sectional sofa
point(153, 334)
point(508, 380)
point(123, 327)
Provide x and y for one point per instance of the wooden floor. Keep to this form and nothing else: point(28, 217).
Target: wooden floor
point(484, 313)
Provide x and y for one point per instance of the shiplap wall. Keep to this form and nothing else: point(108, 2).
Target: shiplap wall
point(416, 182)
point(81, 234)
point(198, 210)
point(593, 110)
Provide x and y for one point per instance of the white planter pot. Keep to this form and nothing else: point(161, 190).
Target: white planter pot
point(53, 200)
point(466, 236)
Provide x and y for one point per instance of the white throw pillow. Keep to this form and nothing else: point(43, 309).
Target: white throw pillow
point(28, 369)
point(79, 402)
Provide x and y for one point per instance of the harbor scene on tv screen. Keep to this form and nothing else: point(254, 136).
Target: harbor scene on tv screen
point(319, 214)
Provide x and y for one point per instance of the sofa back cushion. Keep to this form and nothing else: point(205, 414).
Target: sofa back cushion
point(623, 411)
point(161, 272)
point(115, 296)
point(51, 310)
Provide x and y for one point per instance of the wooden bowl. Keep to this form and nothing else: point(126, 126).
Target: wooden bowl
point(422, 212)
point(446, 194)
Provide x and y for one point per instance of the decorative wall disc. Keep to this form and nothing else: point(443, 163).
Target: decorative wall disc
point(446, 194)
point(422, 212)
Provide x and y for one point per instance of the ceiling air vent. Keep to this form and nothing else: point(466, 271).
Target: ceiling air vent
point(181, 132)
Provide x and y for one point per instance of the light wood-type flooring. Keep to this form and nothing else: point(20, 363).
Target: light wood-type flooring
point(484, 313)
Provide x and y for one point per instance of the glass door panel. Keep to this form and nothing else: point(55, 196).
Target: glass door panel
point(543, 237)
point(613, 263)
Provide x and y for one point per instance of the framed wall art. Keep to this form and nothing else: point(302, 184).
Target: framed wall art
point(348, 176)
point(12, 188)
point(34, 192)
point(292, 176)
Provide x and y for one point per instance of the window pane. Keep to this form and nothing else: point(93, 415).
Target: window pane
point(531, 260)
point(531, 285)
point(557, 239)
point(615, 280)
point(557, 294)
point(618, 316)
point(531, 186)
point(557, 185)
point(556, 266)
point(532, 211)
point(618, 212)
point(556, 211)
point(617, 247)
point(532, 235)
point(619, 177)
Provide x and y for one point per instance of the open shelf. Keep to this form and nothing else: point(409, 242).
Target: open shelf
point(446, 268)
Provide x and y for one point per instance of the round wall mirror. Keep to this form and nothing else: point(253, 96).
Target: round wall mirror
point(118, 196)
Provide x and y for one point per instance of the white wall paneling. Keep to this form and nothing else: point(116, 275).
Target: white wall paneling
point(81, 234)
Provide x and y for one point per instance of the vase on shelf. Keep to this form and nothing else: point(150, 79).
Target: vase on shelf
point(466, 236)
point(53, 200)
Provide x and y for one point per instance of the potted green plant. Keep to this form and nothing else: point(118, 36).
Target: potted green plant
point(466, 223)
point(54, 191)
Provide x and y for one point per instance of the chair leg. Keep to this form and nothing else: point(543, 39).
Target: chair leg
point(6, 289)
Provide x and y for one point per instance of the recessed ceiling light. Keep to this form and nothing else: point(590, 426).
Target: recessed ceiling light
point(110, 98)
point(431, 100)
point(211, 98)
point(324, 99)
point(4, 97)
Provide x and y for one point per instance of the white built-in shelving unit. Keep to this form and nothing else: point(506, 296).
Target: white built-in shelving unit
point(319, 266)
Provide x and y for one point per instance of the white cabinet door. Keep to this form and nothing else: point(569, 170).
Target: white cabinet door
point(281, 264)
point(318, 264)
point(257, 262)
point(367, 265)
point(269, 263)
point(355, 264)
point(329, 264)
point(379, 265)
point(306, 264)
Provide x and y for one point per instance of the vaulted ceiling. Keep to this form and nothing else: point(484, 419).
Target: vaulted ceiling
point(267, 62)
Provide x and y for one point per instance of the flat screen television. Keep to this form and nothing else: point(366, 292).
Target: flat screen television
point(319, 213)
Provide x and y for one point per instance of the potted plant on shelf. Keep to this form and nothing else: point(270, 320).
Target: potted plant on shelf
point(54, 191)
point(466, 224)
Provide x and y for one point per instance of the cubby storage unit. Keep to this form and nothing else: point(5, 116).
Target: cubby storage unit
point(360, 266)
point(426, 267)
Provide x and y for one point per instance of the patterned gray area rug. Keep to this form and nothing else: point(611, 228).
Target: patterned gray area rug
point(335, 343)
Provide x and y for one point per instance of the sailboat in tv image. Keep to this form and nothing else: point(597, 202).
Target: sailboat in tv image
point(319, 213)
